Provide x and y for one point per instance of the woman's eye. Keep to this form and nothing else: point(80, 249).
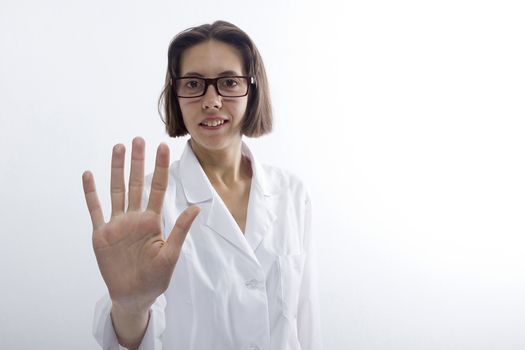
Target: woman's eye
point(229, 83)
point(193, 84)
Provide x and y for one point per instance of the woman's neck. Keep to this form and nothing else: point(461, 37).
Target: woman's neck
point(225, 167)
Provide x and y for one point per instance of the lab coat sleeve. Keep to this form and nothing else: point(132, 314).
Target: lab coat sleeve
point(105, 333)
point(308, 314)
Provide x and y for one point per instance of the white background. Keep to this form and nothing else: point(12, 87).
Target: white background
point(405, 119)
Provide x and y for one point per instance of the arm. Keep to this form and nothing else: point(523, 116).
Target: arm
point(308, 318)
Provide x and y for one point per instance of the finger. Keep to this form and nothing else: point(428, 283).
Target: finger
point(180, 230)
point(90, 192)
point(118, 188)
point(136, 175)
point(159, 182)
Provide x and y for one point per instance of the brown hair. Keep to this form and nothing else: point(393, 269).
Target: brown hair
point(258, 118)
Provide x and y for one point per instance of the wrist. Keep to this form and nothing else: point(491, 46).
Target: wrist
point(129, 327)
point(130, 308)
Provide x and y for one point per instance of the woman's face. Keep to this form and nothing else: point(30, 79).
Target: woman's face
point(213, 59)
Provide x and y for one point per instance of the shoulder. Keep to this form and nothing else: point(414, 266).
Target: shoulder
point(285, 182)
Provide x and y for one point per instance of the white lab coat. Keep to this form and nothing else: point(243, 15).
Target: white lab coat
point(231, 290)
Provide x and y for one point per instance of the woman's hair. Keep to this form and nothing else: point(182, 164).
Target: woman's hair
point(258, 118)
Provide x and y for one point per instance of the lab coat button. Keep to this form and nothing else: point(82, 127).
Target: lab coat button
point(253, 347)
point(252, 284)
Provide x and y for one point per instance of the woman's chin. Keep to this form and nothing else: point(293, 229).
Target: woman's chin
point(214, 143)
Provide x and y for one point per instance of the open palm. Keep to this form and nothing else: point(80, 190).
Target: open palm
point(133, 257)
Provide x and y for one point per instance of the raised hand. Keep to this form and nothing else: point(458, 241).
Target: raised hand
point(135, 261)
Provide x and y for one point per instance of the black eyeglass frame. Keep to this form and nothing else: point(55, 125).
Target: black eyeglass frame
point(213, 81)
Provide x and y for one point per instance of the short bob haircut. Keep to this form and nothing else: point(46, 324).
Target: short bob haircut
point(258, 118)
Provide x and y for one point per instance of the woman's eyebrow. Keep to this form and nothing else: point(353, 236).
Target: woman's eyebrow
point(225, 73)
point(228, 72)
point(193, 74)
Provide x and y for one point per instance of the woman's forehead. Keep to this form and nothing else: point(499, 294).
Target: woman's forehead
point(211, 58)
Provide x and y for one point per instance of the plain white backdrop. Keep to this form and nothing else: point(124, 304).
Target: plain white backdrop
point(405, 119)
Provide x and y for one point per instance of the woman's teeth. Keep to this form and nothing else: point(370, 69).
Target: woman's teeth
point(213, 123)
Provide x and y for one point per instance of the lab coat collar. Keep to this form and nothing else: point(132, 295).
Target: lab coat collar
point(195, 183)
point(261, 212)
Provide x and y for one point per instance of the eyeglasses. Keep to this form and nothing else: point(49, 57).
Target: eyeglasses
point(234, 86)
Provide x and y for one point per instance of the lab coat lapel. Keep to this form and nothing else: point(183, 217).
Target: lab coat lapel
point(198, 189)
point(261, 206)
point(221, 221)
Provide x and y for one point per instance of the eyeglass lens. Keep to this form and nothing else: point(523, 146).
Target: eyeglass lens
point(228, 86)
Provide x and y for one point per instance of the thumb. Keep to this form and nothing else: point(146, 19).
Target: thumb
point(181, 228)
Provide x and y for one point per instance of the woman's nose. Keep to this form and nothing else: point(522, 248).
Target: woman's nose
point(211, 98)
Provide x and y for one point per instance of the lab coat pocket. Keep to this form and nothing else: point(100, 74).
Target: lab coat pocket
point(291, 272)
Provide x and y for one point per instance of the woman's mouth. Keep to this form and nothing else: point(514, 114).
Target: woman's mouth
point(213, 124)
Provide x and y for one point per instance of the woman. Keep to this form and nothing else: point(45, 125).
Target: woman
point(244, 277)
